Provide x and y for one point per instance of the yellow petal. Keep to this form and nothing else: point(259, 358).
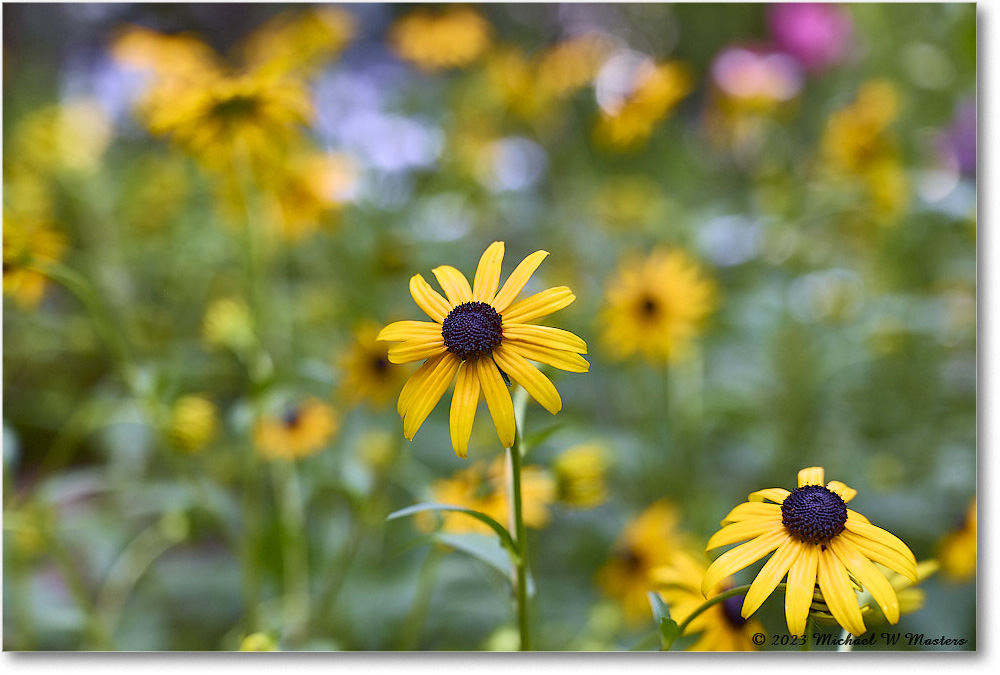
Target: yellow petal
point(517, 279)
point(743, 530)
point(454, 283)
point(799, 589)
point(748, 510)
point(529, 377)
point(868, 576)
point(428, 299)
point(424, 400)
point(408, 330)
point(776, 495)
point(544, 336)
point(854, 515)
point(498, 400)
point(538, 305)
point(838, 592)
point(882, 554)
point(846, 493)
point(484, 286)
point(463, 407)
point(770, 575)
point(416, 350)
point(556, 358)
point(878, 535)
point(811, 476)
point(737, 558)
point(416, 383)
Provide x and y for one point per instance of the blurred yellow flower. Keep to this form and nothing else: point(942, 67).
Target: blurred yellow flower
point(303, 430)
point(228, 324)
point(69, 136)
point(656, 306)
point(659, 88)
point(27, 246)
point(911, 598)
point(306, 190)
point(721, 627)
point(441, 39)
point(194, 423)
point(367, 373)
point(259, 642)
point(483, 488)
point(957, 549)
point(580, 475)
point(651, 541)
point(299, 42)
point(179, 56)
point(478, 337)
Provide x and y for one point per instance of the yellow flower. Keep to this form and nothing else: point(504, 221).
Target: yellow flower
point(259, 642)
point(70, 136)
point(299, 42)
point(28, 244)
point(228, 324)
point(368, 375)
point(721, 627)
point(910, 597)
point(450, 38)
point(649, 542)
point(194, 423)
point(302, 431)
point(478, 337)
point(816, 540)
point(580, 476)
point(306, 190)
point(656, 306)
point(658, 90)
point(957, 550)
point(168, 56)
point(483, 488)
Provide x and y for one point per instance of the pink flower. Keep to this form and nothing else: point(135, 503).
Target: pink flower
point(818, 35)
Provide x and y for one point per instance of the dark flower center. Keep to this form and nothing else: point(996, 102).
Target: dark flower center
point(814, 514)
point(649, 307)
point(380, 364)
point(292, 417)
point(472, 329)
point(732, 607)
point(238, 106)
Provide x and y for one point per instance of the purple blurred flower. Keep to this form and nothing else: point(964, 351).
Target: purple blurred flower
point(960, 136)
point(818, 35)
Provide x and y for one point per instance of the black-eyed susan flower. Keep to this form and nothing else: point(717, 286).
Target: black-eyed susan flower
point(721, 627)
point(580, 475)
point(483, 487)
point(957, 549)
point(439, 40)
point(367, 373)
point(649, 542)
point(656, 306)
point(478, 336)
point(818, 542)
point(303, 430)
point(27, 245)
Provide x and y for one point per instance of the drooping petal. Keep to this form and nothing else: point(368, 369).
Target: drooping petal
point(424, 400)
point(529, 377)
point(408, 330)
point(838, 592)
point(498, 400)
point(748, 510)
point(463, 407)
point(868, 576)
point(743, 530)
point(556, 358)
point(428, 299)
point(799, 589)
point(487, 281)
point(416, 383)
point(811, 476)
point(544, 336)
point(776, 495)
point(517, 279)
point(770, 575)
point(538, 305)
point(882, 554)
point(880, 536)
point(846, 493)
point(737, 558)
point(454, 283)
point(416, 350)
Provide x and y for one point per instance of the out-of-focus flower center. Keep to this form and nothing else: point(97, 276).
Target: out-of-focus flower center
point(292, 417)
point(472, 330)
point(814, 514)
point(732, 608)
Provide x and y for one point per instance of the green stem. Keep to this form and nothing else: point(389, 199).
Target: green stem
point(845, 644)
point(714, 600)
point(521, 561)
point(807, 643)
point(293, 545)
point(415, 621)
point(97, 636)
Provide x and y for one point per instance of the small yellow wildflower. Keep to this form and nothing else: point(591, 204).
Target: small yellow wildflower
point(303, 430)
point(368, 374)
point(957, 549)
point(438, 40)
point(228, 324)
point(28, 245)
point(580, 476)
point(658, 90)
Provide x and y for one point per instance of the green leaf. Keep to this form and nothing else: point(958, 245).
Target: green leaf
point(669, 630)
point(505, 538)
point(537, 437)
